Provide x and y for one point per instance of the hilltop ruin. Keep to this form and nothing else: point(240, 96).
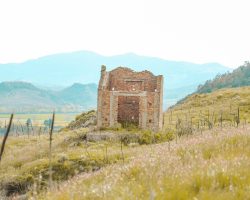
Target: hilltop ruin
point(129, 97)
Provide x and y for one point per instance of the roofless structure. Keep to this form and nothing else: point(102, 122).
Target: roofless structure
point(129, 97)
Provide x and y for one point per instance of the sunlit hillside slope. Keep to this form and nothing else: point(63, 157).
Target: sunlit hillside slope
point(222, 106)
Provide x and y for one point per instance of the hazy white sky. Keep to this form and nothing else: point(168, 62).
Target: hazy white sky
point(191, 30)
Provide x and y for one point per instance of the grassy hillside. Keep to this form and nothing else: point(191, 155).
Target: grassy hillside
point(26, 160)
point(213, 165)
point(223, 104)
point(238, 78)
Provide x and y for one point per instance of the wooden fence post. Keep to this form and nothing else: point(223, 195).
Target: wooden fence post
point(6, 136)
point(50, 149)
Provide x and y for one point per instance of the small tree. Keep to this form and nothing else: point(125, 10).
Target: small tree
point(28, 125)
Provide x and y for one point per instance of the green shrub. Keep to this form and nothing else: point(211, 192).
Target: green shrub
point(63, 169)
point(129, 138)
point(145, 137)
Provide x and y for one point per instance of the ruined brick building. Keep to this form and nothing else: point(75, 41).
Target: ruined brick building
point(129, 97)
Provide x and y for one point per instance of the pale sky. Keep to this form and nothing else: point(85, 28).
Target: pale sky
point(198, 31)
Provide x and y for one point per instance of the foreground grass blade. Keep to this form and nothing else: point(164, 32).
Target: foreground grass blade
point(6, 136)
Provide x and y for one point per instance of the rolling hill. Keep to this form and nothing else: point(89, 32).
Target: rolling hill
point(25, 97)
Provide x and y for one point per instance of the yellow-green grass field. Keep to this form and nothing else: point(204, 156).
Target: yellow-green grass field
point(62, 119)
point(25, 163)
point(211, 165)
point(215, 165)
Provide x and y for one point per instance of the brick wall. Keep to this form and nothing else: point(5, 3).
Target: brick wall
point(128, 96)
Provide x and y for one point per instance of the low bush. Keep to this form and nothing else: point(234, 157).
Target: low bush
point(147, 137)
point(63, 169)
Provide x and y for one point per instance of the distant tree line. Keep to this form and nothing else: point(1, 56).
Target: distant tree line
point(238, 78)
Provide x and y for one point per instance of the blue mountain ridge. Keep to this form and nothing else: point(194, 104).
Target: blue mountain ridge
point(84, 67)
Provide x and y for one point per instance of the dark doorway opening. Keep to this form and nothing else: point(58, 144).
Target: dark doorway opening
point(128, 111)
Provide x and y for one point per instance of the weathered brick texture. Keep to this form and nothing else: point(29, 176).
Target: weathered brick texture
point(126, 96)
